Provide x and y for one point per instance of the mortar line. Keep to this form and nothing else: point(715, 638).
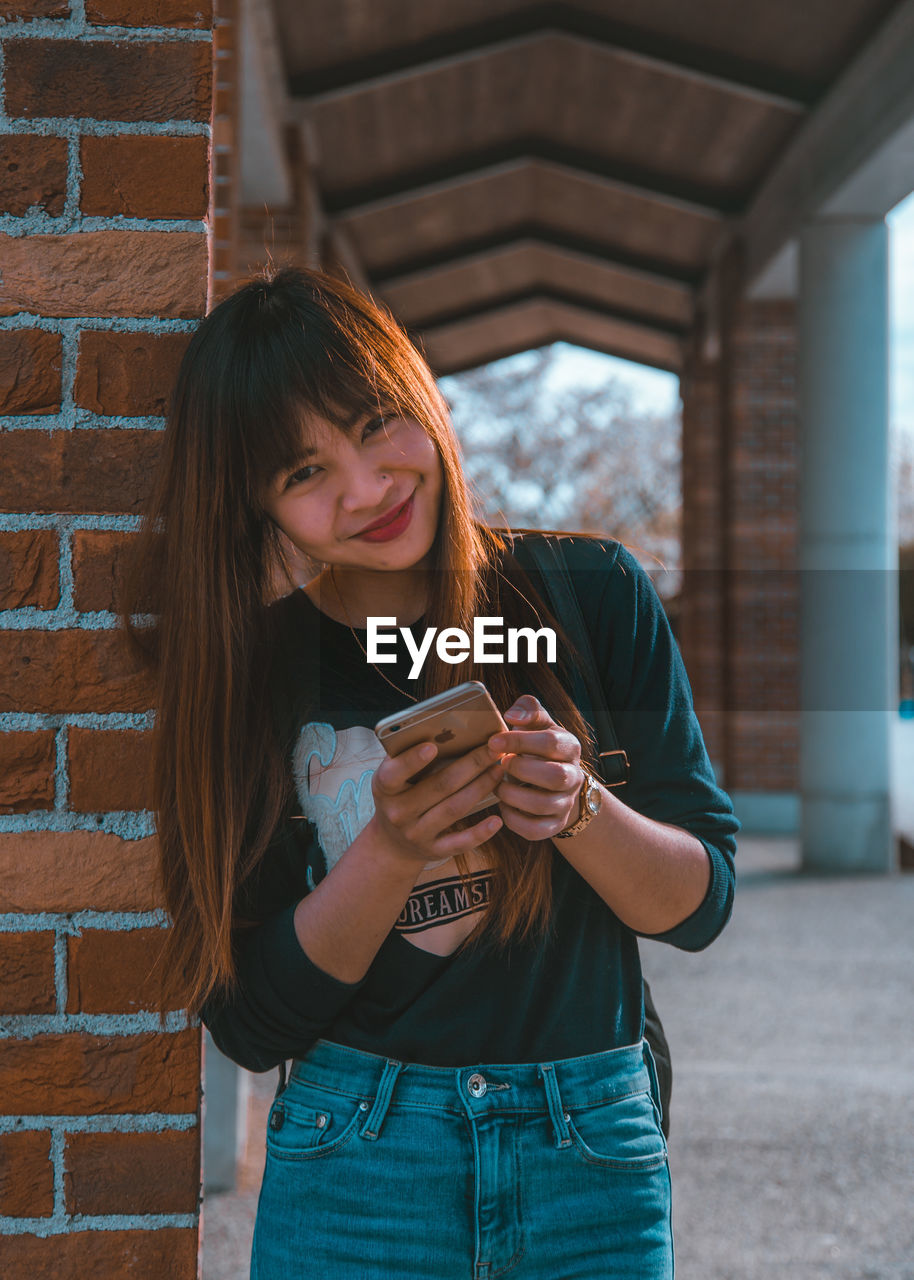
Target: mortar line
point(129, 1122)
point(20, 226)
point(32, 720)
point(65, 555)
point(72, 923)
point(65, 126)
point(61, 772)
point(58, 1157)
point(61, 978)
point(68, 344)
point(128, 825)
point(24, 1026)
point(74, 179)
point(45, 1228)
point(88, 33)
point(116, 324)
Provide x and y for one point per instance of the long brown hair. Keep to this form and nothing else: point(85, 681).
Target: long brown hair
point(289, 342)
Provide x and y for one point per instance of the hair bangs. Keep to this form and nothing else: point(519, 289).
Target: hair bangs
point(297, 360)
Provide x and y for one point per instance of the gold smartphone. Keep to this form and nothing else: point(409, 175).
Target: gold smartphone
point(456, 721)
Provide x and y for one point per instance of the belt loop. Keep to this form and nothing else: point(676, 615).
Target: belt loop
point(371, 1129)
point(281, 1086)
point(557, 1113)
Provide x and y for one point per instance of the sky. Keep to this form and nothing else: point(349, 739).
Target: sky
point(657, 392)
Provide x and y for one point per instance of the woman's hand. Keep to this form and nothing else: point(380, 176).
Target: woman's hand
point(548, 759)
point(412, 819)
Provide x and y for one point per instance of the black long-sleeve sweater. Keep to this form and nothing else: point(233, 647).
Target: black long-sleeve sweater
point(575, 992)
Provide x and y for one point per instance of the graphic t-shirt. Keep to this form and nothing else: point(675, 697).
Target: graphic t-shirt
point(575, 991)
point(333, 762)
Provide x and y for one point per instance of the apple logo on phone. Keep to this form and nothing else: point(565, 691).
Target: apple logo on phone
point(444, 736)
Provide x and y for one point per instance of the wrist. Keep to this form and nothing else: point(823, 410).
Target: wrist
point(388, 853)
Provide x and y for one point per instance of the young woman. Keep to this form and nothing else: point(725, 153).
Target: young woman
point(458, 989)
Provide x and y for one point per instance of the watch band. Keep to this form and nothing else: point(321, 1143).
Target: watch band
point(591, 802)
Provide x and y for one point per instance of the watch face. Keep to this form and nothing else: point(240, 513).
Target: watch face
point(593, 801)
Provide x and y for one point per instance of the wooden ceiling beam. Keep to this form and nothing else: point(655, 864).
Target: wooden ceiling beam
point(409, 184)
point(445, 370)
point(546, 293)
point(514, 160)
point(739, 77)
point(606, 254)
point(513, 329)
point(852, 156)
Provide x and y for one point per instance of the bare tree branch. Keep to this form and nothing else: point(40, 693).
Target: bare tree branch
point(544, 454)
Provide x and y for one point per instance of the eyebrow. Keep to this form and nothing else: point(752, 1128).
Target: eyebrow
point(368, 415)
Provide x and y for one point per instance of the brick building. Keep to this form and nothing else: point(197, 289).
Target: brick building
point(692, 187)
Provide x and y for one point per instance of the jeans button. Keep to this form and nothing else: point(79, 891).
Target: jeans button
point(477, 1085)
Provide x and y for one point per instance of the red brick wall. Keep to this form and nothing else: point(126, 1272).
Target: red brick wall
point(224, 197)
point(105, 121)
point(740, 603)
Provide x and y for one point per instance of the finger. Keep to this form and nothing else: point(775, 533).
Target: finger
point(531, 828)
point(433, 821)
point(551, 744)
point(454, 775)
point(551, 775)
point(532, 801)
point(529, 712)
point(394, 772)
point(469, 838)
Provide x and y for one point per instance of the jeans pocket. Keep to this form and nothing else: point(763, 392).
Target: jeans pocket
point(620, 1133)
point(308, 1123)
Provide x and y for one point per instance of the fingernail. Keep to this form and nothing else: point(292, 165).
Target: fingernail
point(427, 750)
point(498, 743)
point(518, 713)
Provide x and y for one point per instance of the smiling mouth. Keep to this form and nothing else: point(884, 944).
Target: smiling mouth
point(387, 519)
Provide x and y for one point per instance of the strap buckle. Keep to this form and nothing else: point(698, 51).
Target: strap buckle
point(602, 755)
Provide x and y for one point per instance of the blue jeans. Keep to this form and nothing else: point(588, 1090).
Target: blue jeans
point(548, 1171)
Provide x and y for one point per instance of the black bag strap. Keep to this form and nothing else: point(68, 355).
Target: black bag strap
point(544, 551)
point(546, 555)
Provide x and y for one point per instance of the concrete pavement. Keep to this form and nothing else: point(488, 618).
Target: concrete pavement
point(792, 1036)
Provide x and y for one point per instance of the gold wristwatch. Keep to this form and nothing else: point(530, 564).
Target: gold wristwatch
point(591, 801)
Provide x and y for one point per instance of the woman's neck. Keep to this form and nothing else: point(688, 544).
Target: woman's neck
point(353, 595)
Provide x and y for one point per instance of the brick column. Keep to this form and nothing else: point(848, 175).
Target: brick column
point(104, 137)
point(224, 207)
point(741, 594)
point(762, 535)
point(703, 610)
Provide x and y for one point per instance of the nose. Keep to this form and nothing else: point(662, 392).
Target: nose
point(366, 486)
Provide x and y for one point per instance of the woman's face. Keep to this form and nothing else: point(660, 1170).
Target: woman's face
point(368, 499)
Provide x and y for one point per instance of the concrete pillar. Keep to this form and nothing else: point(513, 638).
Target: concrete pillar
point(225, 1097)
point(848, 608)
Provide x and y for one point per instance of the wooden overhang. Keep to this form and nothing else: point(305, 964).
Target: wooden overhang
point(510, 174)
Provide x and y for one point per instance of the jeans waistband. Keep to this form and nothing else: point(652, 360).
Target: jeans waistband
point(477, 1089)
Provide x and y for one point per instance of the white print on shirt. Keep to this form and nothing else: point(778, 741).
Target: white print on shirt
point(332, 773)
point(448, 899)
point(454, 644)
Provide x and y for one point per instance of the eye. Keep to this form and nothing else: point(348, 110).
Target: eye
point(299, 476)
point(375, 425)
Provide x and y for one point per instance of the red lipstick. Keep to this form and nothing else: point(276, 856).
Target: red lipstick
point(389, 526)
